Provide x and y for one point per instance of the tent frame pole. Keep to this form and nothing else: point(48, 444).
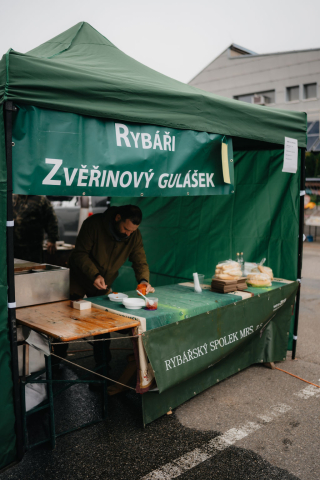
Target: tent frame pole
point(300, 248)
point(9, 109)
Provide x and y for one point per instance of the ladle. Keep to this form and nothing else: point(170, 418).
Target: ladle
point(149, 301)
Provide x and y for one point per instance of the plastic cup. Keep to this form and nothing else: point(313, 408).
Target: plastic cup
point(201, 280)
point(153, 305)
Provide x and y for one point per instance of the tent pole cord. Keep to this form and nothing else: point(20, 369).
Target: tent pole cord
point(9, 109)
point(301, 225)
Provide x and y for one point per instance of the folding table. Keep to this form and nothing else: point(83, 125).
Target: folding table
point(61, 322)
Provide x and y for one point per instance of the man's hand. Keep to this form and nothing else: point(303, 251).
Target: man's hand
point(150, 289)
point(51, 247)
point(99, 283)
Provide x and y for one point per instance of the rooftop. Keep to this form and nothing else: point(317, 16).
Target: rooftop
point(244, 52)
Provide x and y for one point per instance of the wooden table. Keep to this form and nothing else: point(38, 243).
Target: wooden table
point(64, 323)
point(59, 320)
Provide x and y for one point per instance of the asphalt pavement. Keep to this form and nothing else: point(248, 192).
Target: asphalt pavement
point(260, 424)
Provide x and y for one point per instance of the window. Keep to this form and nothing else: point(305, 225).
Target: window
point(292, 93)
point(310, 90)
point(313, 135)
point(245, 98)
point(258, 98)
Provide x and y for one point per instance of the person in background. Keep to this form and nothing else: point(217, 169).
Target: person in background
point(33, 215)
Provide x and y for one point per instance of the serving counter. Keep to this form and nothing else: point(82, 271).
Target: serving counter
point(195, 340)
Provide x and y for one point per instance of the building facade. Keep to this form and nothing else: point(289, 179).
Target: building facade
point(286, 80)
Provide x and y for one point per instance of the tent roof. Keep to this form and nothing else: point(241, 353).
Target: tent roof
point(80, 71)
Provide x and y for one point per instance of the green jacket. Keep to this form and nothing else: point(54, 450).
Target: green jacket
point(98, 252)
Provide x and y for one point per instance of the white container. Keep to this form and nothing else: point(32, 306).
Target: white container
point(117, 297)
point(133, 303)
point(50, 284)
point(81, 304)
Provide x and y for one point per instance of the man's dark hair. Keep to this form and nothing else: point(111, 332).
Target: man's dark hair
point(131, 212)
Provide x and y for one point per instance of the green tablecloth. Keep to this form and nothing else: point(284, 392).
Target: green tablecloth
point(178, 302)
point(194, 341)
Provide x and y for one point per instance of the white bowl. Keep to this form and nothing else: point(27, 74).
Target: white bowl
point(133, 303)
point(117, 297)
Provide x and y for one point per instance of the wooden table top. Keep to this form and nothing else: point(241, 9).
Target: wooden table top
point(59, 320)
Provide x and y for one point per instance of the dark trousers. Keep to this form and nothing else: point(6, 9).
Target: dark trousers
point(98, 349)
point(61, 350)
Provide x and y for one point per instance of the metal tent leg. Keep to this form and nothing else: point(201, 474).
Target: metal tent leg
point(9, 109)
point(105, 373)
point(301, 224)
point(50, 400)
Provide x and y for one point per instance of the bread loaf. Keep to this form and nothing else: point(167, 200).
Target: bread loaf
point(259, 280)
point(228, 270)
point(225, 276)
point(234, 271)
point(268, 271)
point(229, 265)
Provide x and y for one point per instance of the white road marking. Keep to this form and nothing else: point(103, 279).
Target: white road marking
point(276, 410)
point(208, 450)
point(191, 459)
point(309, 391)
point(231, 436)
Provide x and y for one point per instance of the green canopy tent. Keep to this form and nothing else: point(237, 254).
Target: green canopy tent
point(79, 87)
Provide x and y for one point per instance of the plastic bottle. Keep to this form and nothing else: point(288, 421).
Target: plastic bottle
point(238, 257)
point(241, 261)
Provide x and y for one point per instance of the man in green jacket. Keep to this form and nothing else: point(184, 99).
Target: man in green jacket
point(105, 241)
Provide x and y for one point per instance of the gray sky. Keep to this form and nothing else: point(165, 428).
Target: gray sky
point(176, 37)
